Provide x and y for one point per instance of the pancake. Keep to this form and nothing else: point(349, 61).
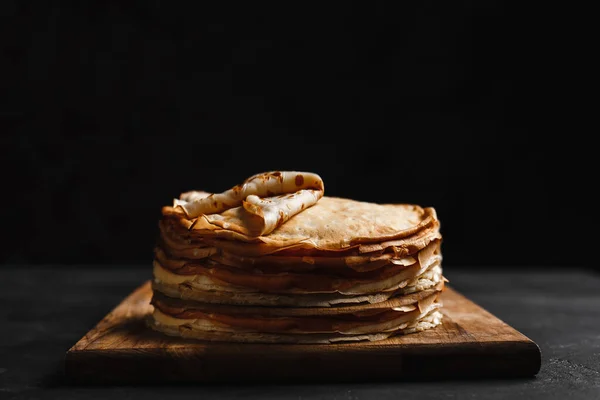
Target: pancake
point(260, 204)
point(335, 224)
point(400, 302)
point(395, 314)
point(362, 263)
point(349, 324)
point(274, 260)
point(263, 185)
point(428, 322)
point(214, 276)
point(192, 330)
point(189, 291)
point(345, 266)
point(329, 228)
point(180, 244)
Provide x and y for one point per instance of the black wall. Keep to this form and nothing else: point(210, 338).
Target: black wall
point(110, 110)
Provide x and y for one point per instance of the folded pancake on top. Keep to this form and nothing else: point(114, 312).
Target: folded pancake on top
point(257, 206)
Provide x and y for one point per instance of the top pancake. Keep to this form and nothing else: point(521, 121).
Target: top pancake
point(295, 219)
point(332, 224)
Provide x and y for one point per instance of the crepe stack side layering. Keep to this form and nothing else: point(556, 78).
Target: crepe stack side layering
point(273, 260)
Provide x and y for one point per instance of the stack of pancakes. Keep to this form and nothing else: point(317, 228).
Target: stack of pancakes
point(274, 260)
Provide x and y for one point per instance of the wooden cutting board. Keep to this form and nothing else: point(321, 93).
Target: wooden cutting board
point(470, 343)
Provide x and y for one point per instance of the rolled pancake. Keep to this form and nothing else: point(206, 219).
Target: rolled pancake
point(187, 291)
point(259, 205)
point(267, 184)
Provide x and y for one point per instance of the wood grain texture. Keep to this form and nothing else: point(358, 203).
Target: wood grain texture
point(470, 343)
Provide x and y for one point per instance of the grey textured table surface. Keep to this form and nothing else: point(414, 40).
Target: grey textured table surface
point(45, 310)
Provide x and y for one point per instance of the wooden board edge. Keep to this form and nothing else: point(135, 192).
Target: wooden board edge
point(502, 360)
point(137, 295)
point(477, 308)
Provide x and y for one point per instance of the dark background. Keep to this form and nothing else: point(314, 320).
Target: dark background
point(110, 110)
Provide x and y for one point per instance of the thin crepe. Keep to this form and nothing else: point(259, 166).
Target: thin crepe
point(335, 223)
point(260, 216)
point(211, 275)
point(179, 308)
point(257, 206)
point(274, 260)
point(260, 273)
point(189, 291)
point(368, 321)
point(189, 329)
